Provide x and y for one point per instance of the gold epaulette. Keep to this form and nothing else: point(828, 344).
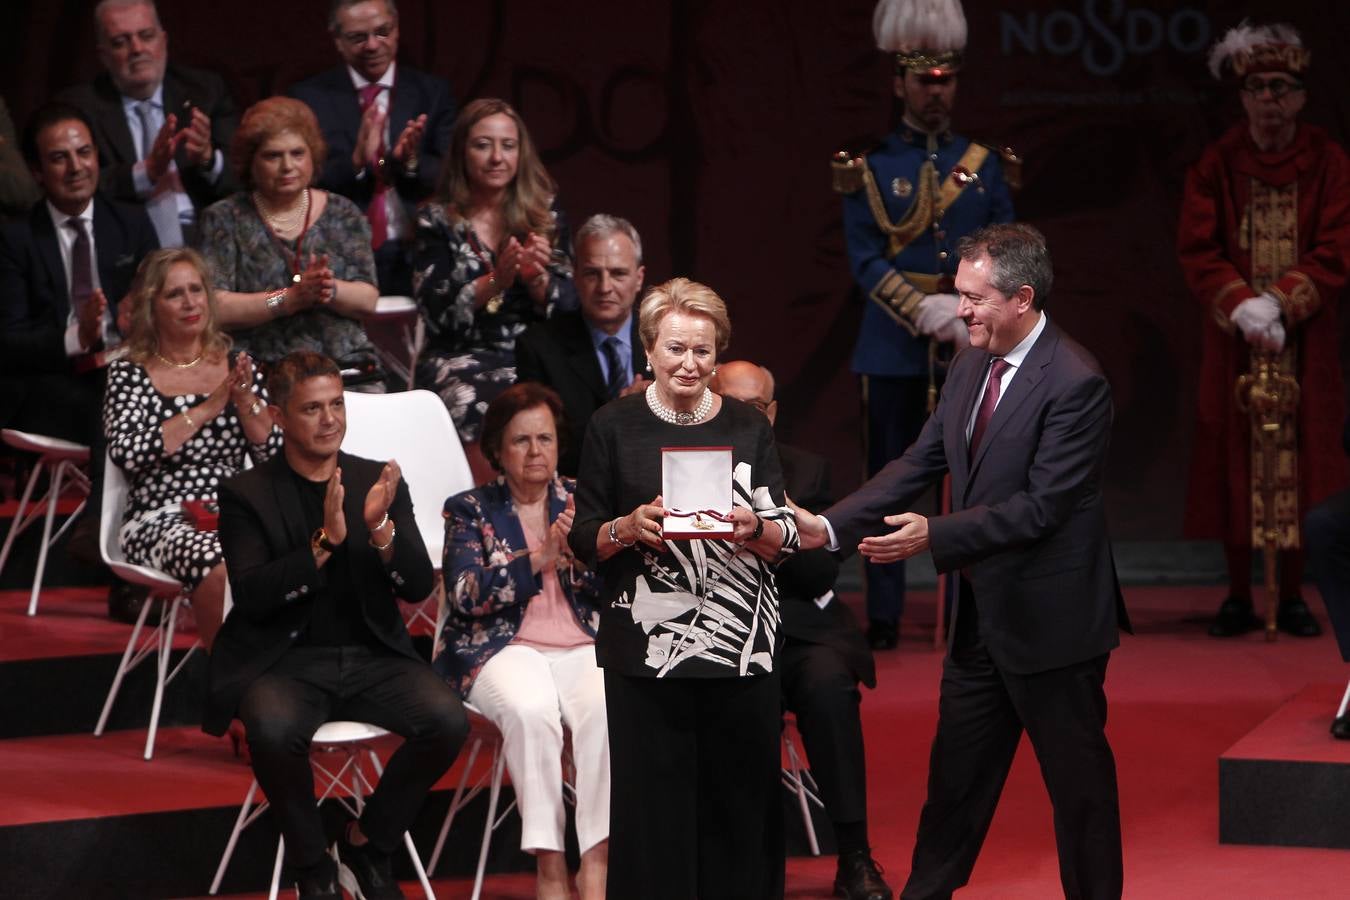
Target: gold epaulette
point(847, 172)
point(1012, 165)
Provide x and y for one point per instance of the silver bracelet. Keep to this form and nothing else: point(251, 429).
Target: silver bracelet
point(392, 533)
point(614, 536)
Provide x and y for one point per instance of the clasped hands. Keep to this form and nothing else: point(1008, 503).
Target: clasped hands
point(317, 285)
point(909, 539)
point(194, 138)
point(1258, 318)
point(528, 260)
point(375, 510)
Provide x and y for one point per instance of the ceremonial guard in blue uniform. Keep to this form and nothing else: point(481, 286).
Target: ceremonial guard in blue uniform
point(906, 204)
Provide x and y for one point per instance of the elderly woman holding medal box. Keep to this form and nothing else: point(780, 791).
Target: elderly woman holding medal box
point(688, 628)
point(291, 264)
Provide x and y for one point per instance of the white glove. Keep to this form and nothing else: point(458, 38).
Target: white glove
point(1255, 315)
point(936, 312)
point(956, 332)
point(1272, 339)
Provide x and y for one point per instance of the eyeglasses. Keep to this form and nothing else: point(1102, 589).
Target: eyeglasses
point(357, 38)
point(1278, 87)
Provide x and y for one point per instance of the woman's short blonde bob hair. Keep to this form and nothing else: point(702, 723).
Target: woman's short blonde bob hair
point(265, 120)
point(684, 296)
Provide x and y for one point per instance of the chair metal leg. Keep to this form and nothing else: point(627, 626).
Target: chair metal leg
point(276, 869)
point(798, 785)
point(122, 668)
point(1345, 701)
point(53, 496)
point(18, 524)
point(165, 639)
point(490, 822)
point(454, 805)
point(239, 824)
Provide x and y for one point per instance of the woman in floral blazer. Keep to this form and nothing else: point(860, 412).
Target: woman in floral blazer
point(518, 640)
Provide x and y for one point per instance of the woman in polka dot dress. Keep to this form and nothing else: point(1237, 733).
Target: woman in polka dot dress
point(179, 414)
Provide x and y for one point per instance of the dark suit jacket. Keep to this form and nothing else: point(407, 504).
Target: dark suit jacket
point(1028, 524)
point(117, 151)
point(808, 574)
point(272, 572)
point(559, 353)
point(338, 107)
point(34, 294)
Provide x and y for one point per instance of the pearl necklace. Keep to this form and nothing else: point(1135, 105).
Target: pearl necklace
point(288, 221)
point(675, 417)
point(177, 365)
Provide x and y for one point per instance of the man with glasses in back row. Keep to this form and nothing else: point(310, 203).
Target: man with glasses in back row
point(1263, 241)
point(387, 127)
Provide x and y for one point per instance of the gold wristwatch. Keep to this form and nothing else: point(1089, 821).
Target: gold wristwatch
point(319, 541)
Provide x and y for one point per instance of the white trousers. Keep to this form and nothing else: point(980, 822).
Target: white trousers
point(530, 693)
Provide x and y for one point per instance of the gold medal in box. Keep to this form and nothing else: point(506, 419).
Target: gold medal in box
point(696, 493)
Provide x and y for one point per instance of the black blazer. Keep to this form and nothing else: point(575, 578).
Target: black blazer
point(338, 107)
point(117, 151)
point(808, 574)
point(559, 353)
point(272, 571)
point(1028, 523)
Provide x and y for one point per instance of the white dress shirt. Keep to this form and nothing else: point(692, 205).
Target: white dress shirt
point(65, 239)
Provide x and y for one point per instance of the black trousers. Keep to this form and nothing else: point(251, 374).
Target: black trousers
point(308, 686)
point(896, 410)
point(1326, 533)
point(820, 688)
point(695, 810)
point(982, 712)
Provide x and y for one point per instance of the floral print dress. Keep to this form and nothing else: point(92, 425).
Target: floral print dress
point(246, 257)
point(471, 353)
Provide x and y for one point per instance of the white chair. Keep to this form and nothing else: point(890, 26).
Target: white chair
point(67, 462)
point(483, 734)
point(350, 741)
point(401, 316)
point(799, 781)
point(415, 428)
point(163, 589)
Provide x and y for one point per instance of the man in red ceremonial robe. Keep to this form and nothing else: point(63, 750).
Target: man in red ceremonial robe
point(1264, 243)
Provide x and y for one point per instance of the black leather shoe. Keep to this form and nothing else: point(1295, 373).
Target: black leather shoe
point(1340, 728)
point(859, 877)
point(319, 881)
point(883, 635)
point(1294, 617)
point(1235, 617)
point(365, 872)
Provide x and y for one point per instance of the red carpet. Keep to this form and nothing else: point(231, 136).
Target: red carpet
point(1178, 701)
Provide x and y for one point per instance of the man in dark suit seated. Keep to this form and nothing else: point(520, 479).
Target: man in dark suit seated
point(387, 127)
point(824, 655)
point(594, 354)
point(1022, 424)
point(319, 546)
point(65, 270)
point(162, 130)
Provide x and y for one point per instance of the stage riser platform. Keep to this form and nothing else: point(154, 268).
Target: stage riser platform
point(1285, 784)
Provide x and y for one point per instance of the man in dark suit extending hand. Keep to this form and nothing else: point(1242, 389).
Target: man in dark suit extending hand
point(593, 355)
point(1022, 425)
point(319, 545)
point(387, 127)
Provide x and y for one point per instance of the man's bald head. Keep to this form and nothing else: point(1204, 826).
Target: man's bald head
point(748, 383)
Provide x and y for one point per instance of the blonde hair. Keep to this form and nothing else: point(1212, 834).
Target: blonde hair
point(143, 341)
point(265, 120)
point(684, 296)
point(529, 196)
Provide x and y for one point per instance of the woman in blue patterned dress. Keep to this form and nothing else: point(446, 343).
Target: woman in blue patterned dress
point(291, 264)
point(179, 413)
point(492, 255)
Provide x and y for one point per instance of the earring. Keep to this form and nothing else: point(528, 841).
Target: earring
point(714, 370)
point(649, 367)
